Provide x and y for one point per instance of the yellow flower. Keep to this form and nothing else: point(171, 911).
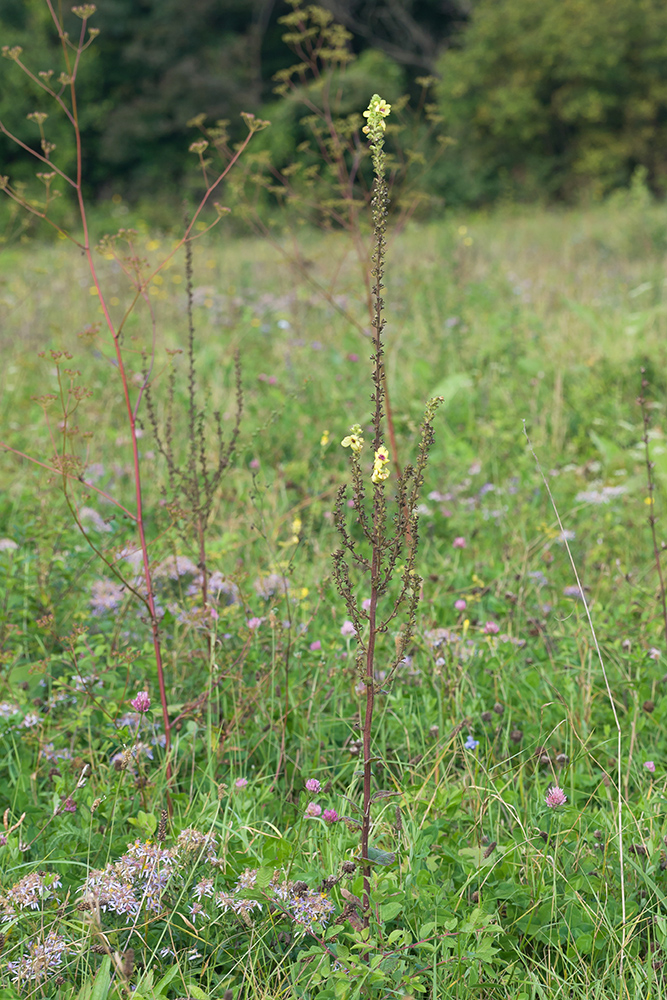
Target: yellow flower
point(354, 439)
point(376, 112)
point(380, 465)
point(324, 440)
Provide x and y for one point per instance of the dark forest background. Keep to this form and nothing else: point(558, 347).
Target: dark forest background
point(541, 100)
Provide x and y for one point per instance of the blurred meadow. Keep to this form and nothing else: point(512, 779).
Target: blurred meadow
point(187, 760)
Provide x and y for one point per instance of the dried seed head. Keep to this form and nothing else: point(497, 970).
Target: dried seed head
point(162, 828)
point(128, 963)
point(348, 867)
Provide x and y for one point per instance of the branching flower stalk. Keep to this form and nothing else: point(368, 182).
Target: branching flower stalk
point(384, 541)
point(64, 94)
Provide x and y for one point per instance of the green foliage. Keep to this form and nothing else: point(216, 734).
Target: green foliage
point(552, 98)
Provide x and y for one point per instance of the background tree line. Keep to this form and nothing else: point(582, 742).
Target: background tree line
point(541, 100)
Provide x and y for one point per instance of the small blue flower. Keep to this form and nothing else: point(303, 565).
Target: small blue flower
point(471, 744)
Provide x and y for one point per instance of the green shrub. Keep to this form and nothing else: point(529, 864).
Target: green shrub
point(547, 99)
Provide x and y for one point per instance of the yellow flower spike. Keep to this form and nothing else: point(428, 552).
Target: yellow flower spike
point(376, 112)
point(466, 626)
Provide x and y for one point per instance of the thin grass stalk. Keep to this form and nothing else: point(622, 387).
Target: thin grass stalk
point(619, 764)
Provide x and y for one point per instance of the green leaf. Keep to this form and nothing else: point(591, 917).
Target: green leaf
point(379, 857)
point(84, 992)
point(263, 877)
point(100, 989)
point(196, 992)
point(390, 910)
point(161, 986)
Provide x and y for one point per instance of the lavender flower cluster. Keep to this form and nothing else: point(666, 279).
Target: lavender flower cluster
point(136, 881)
point(30, 892)
point(39, 960)
point(294, 899)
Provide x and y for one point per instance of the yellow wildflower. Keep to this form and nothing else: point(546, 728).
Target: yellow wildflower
point(354, 439)
point(380, 465)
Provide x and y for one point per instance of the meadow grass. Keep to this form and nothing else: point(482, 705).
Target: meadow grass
point(481, 889)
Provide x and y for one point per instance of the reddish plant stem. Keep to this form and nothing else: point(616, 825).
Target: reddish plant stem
point(651, 497)
point(368, 725)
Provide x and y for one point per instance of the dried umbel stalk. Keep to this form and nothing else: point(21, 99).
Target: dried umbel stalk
point(386, 541)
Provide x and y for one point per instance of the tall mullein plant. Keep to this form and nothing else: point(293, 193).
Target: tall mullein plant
point(385, 559)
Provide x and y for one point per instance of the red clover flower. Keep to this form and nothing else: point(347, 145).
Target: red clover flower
point(555, 797)
point(142, 702)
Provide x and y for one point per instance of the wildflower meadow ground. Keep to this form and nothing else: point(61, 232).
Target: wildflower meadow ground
point(518, 764)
